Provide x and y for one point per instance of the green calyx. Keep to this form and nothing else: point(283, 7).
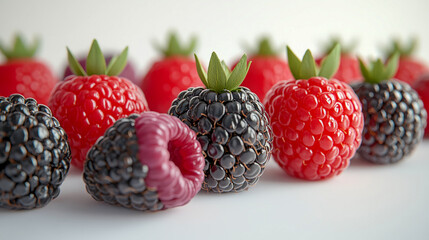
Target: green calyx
point(175, 48)
point(20, 49)
point(404, 50)
point(307, 68)
point(377, 71)
point(265, 48)
point(219, 77)
point(96, 63)
point(345, 49)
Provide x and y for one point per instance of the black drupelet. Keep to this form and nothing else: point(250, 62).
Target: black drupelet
point(34, 154)
point(234, 132)
point(113, 172)
point(395, 120)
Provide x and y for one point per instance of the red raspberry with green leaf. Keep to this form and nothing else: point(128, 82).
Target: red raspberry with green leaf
point(409, 68)
point(25, 75)
point(348, 71)
point(170, 75)
point(317, 123)
point(267, 69)
point(87, 103)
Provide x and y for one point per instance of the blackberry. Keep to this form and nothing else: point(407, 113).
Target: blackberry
point(34, 154)
point(394, 115)
point(148, 162)
point(231, 125)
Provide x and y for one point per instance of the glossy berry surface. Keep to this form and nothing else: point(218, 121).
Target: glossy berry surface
point(87, 105)
point(28, 77)
point(34, 154)
point(317, 126)
point(234, 132)
point(348, 70)
point(128, 72)
point(264, 73)
point(409, 70)
point(395, 120)
point(422, 88)
point(166, 79)
point(148, 162)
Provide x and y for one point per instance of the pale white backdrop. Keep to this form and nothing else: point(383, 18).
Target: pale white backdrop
point(222, 26)
point(365, 202)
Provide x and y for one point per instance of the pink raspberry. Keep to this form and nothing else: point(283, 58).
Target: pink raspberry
point(147, 162)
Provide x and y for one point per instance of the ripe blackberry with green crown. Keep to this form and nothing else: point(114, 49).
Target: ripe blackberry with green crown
point(231, 125)
point(317, 121)
point(395, 118)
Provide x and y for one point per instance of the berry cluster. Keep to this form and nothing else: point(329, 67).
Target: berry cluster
point(217, 136)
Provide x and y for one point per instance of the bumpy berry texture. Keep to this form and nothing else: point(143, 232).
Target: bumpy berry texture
point(177, 172)
point(34, 154)
point(395, 119)
point(234, 133)
point(90, 101)
point(128, 72)
point(87, 106)
point(317, 126)
point(23, 74)
point(148, 162)
point(170, 75)
point(422, 88)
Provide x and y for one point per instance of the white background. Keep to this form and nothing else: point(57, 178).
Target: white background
point(365, 202)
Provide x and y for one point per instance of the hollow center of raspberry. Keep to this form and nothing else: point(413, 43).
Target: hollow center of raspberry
point(177, 154)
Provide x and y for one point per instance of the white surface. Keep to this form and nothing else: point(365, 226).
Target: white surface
point(366, 201)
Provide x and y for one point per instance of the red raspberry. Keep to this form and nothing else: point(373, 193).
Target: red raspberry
point(87, 105)
point(267, 69)
point(170, 75)
point(166, 79)
point(24, 74)
point(422, 88)
point(317, 126)
point(317, 123)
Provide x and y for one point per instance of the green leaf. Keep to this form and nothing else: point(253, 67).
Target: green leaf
point(265, 48)
point(391, 66)
point(75, 66)
point(216, 76)
point(117, 63)
point(294, 63)
point(201, 72)
point(173, 46)
point(226, 69)
point(331, 63)
point(238, 74)
point(20, 49)
point(377, 71)
point(95, 62)
point(308, 66)
point(364, 70)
